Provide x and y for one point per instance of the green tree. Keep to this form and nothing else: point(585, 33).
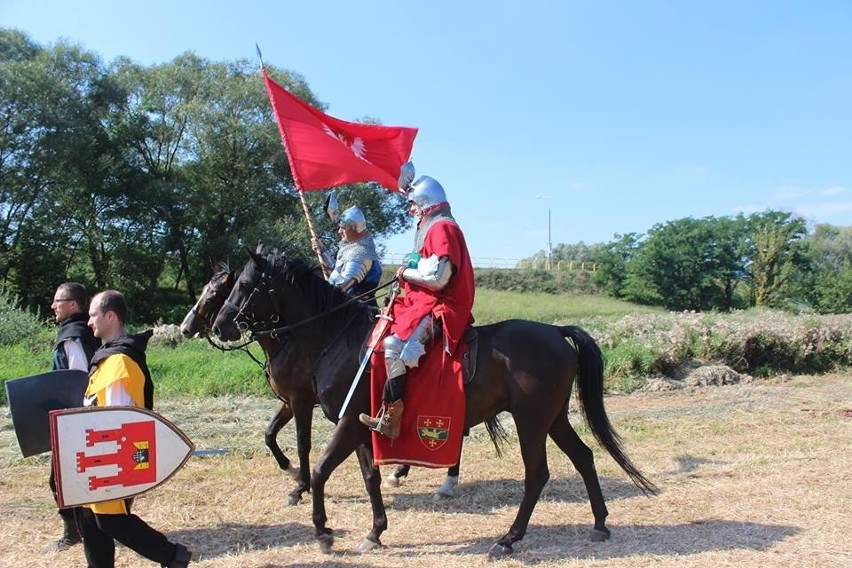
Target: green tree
point(779, 267)
point(55, 154)
point(612, 260)
point(831, 254)
point(132, 177)
point(688, 264)
point(731, 245)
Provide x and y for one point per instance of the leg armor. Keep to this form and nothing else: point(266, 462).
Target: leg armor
point(401, 354)
point(398, 355)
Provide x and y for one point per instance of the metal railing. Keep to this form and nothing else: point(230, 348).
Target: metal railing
point(511, 263)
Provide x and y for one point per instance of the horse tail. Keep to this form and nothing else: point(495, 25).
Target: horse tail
point(591, 390)
point(497, 433)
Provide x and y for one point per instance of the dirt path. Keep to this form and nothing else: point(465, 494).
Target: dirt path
point(751, 475)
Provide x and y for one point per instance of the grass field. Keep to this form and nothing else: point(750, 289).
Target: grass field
point(753, 474)
point(195, 368)
point(494, 305)
point(638, 343)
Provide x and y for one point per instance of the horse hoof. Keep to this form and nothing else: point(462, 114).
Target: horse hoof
point(294, 499)
point(599, 535)
point(439, 496)
point(367, 545)
point(447, 490)
point(325, 542)
point(392, 482)
point(499, 551)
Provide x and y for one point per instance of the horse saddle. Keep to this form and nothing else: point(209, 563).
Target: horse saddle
point(469, 359)
point(471, 338)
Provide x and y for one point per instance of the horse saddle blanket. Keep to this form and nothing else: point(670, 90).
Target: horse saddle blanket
point(433, 417)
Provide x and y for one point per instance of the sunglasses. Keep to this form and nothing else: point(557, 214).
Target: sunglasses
point(57, 300)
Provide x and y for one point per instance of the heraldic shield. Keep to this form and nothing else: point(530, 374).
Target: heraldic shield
point(433, 431)
point(32, 398)
point(116, 452)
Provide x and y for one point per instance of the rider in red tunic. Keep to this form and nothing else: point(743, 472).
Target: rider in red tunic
point(438, 288)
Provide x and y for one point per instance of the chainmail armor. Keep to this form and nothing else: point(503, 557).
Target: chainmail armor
point(354, 260)
point(440, 214)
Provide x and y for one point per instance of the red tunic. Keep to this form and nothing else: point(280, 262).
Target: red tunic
point(433, 421)
point(452, 305)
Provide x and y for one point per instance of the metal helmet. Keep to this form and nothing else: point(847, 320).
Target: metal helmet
point(406, 175)
point(353, 219)
point(426, 192)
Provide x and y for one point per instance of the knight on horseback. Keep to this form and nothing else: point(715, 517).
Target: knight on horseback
point(438, 286)
point(357, 268)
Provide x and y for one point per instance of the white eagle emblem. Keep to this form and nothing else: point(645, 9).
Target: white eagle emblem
point(356, 145)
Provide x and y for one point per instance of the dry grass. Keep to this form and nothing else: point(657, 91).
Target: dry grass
point(752, 475)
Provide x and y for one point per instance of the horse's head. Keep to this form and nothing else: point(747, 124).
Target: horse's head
point(200, 318)
point(272, 289)
point(251, 303)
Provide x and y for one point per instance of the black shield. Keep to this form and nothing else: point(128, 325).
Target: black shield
point(32, 398)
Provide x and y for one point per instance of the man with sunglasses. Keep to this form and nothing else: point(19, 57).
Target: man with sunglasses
point(75, 345)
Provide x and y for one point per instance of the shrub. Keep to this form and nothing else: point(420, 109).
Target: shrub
point(534, 280)
point(758, 342)
point(16, 325)
point(167, 335)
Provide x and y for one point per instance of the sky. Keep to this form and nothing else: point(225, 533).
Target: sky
point(545, 121)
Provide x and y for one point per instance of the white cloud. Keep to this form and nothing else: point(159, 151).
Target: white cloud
point(827, 209)
point(790, 192)
point(795, 192)
point(832, 190)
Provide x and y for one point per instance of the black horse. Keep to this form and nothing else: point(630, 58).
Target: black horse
point(287, 371)
point(290, 380)
point(525, 368)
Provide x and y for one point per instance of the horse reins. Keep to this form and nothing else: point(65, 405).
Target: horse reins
point(275, 332)
point(348, 302)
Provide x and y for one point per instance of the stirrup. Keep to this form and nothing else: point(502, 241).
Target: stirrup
point(380, 417)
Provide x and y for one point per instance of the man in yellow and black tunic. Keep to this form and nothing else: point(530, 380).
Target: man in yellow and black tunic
point(119, 376)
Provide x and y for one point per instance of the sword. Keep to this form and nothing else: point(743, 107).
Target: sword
point(376, 335)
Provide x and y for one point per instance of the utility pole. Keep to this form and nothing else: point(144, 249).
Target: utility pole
point(549, 243)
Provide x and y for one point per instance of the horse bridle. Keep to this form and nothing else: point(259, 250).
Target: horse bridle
point(212, 315)
point(245, 320)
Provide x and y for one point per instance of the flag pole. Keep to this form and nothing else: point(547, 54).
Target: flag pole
point(325, 272)
point(311, 230)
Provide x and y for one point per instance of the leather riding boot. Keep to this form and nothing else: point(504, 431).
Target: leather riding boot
point(388, 421)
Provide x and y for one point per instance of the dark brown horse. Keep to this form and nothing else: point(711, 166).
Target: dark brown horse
point(288, 378)
point(287, 371)
point(525, 368)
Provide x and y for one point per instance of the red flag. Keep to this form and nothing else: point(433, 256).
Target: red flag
point(325, 151)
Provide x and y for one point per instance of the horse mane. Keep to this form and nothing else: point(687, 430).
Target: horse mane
point(219, 267)
point(223, 270)
point(326, 297)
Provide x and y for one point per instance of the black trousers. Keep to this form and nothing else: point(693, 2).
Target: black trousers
point(101, 531)
point(395, 388)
